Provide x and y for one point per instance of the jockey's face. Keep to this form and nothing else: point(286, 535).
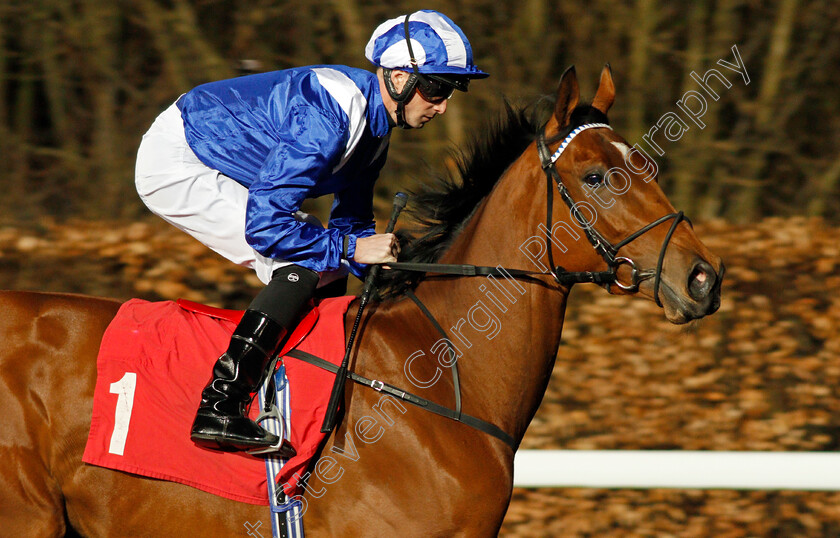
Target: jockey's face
point(418, 111)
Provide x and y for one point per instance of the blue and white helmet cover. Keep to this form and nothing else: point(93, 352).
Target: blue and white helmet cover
point(439, 45)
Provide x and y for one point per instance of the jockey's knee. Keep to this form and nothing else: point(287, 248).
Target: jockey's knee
point(290, 288)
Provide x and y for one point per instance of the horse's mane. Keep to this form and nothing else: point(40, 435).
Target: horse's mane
point(440, 209)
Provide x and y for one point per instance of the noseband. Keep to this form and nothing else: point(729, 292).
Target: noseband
point(602, 246)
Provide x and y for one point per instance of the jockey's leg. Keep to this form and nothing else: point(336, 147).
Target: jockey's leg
point(221, 420)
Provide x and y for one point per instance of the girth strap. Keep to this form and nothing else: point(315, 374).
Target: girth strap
point(423, 403)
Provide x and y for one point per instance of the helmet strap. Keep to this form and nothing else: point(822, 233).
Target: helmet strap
point(410, 84)
point(400, 113)
point(400, 97)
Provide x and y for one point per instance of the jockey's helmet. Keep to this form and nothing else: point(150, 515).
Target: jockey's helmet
point(431, 48)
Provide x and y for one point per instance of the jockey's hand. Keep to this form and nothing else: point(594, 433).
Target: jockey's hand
point(379, 248)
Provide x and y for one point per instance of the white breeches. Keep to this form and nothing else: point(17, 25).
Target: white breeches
point(199, 200)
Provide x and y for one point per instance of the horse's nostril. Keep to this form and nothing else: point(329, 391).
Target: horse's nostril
point(700, 281)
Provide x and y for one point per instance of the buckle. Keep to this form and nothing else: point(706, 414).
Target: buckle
point(377, 385)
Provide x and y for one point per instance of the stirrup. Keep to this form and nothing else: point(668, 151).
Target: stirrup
point(282, 447)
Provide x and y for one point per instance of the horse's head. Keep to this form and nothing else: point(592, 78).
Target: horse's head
point(612, 198)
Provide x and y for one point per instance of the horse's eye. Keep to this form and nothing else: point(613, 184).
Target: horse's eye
point(593, 180)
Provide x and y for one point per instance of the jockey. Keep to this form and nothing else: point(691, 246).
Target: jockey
point(231, 162)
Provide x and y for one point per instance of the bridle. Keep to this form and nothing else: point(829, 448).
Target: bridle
point(602, 246)
point(607, 251)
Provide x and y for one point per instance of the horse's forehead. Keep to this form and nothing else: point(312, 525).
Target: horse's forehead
point(602, 150)
point(623, 148)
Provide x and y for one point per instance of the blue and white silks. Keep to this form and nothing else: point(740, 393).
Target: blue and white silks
point(290, 135)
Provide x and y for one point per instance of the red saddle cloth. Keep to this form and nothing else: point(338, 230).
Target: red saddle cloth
point(153, 363)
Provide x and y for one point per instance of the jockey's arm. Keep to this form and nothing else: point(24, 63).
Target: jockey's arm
point(289, 176)
point(352, 213)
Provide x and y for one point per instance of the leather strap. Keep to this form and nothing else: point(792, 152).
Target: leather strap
point(456, 382)
point(563, 277)
point(396, 392)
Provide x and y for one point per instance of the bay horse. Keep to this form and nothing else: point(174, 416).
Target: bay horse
point(415, 473)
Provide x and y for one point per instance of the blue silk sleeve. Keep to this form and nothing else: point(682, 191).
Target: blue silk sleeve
point(352, 211)
point(312, 143)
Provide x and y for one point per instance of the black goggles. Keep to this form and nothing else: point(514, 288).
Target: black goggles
point(438, 88)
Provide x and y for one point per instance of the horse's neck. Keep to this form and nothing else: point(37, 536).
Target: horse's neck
point(508, 330)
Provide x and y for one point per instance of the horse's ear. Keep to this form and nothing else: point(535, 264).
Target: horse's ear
point(568, 95)
point(605, 96)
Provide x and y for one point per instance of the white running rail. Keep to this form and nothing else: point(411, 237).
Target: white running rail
point(682, 469)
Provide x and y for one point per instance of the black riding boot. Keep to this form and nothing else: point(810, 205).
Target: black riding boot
point(221, 421)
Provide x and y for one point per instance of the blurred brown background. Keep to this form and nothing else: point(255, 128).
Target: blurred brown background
point(81, 81)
